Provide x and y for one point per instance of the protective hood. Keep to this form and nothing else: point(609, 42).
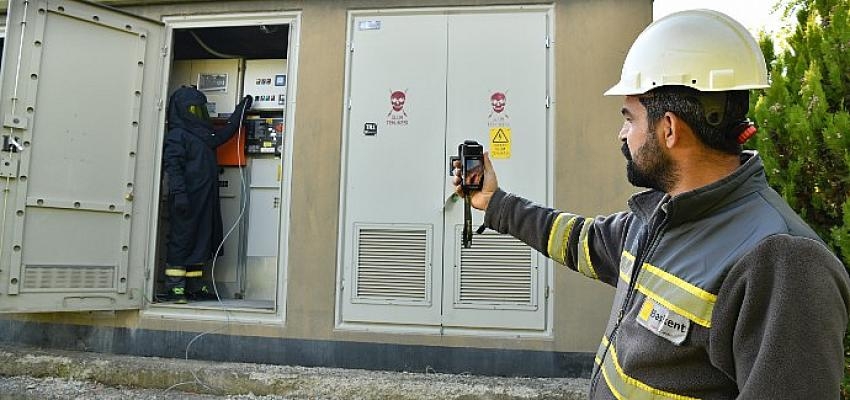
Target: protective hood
point(180, 111)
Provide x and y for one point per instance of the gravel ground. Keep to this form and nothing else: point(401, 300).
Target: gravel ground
point(27, 373)
point(29, 388)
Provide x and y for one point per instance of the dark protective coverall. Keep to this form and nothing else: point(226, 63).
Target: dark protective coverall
point(190, 161)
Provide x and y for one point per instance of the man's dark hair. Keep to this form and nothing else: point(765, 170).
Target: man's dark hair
point(714, 116)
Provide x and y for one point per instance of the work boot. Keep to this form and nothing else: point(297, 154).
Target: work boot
point(175, 283)
point(178, 294)
point(204, 292)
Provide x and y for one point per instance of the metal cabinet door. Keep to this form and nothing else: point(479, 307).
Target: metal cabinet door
point(498, 79)
point(394, 169)
point(79, 95)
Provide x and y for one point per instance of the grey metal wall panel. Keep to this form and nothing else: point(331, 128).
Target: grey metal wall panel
point(498, 83)
point(394, 177)
point(77, 99)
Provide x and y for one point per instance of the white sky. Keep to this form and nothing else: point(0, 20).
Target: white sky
point(756, 15)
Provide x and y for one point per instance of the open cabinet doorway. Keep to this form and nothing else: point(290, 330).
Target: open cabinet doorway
point(228, 60)
point(2, 42)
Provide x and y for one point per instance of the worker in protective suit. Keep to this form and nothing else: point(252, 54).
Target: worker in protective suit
point(190, 163)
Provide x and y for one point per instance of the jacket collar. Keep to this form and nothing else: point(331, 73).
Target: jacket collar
point(695, 204)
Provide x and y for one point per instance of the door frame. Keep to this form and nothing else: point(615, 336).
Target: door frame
point(339, 322)
point(278, 314)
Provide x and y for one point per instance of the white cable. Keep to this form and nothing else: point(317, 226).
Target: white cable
point(215, 258)
point(209, 49)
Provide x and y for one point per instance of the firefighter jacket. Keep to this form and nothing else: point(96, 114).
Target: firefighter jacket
point(722, 292)
point(189, 160)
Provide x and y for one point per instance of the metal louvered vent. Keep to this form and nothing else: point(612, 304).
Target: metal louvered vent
point(78, 277)
point(392, 264)
point(496, 269)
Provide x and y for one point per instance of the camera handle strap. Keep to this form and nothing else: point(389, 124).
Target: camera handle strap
point(467, 221)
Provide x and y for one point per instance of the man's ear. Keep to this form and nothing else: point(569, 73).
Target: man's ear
point(673, 129)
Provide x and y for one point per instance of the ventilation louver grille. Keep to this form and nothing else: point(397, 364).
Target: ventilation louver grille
point(76, 277)
point(496, 269)
point(392, 264)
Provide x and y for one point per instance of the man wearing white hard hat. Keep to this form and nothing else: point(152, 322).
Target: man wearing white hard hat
point(723, 292)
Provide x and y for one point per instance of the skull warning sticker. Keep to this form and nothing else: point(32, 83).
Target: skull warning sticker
point(397, 115)
point(498, 110)
point(500, 142)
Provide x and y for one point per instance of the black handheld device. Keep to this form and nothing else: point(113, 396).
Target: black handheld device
point(471, 165)
point(471, 155)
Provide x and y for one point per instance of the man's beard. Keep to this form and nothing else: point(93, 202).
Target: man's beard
point(656, 169)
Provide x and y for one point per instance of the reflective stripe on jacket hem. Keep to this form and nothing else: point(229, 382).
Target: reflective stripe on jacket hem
point(625, 387)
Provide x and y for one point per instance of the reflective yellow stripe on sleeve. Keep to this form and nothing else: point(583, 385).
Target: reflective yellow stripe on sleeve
point(585, 266)
point(194, 274)
point(175, 272)
point(625, 387)
point(677, 295)
point(559, 236)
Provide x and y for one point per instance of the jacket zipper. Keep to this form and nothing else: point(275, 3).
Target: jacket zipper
point(652, 239)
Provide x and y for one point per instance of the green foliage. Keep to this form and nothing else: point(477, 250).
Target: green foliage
point(804, 124)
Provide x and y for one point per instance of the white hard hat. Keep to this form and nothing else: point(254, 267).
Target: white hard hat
point(702, 49)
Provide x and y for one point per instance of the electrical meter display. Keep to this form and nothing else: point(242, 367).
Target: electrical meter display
point(265, 136)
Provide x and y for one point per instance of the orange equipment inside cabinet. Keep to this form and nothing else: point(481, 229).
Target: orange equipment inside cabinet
point(232, 152)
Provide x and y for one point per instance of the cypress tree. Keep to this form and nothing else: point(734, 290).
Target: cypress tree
point(804, 124)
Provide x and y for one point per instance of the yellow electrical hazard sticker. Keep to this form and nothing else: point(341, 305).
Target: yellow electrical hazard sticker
point(500, 142)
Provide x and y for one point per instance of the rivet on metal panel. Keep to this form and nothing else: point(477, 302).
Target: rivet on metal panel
point(77, 204)
point(23, 178)
point(17, 247)
point(14, 281)
point(95, 18)
point(112, 207)
point(40, 202)
point(129, 196)
point(60, 9)
point(41, 11)
point(132, 154)
point(125, 248)
point(37, 43)
point(20, 213)
point(128, 27)
point(34, 76)
point(30, 110)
